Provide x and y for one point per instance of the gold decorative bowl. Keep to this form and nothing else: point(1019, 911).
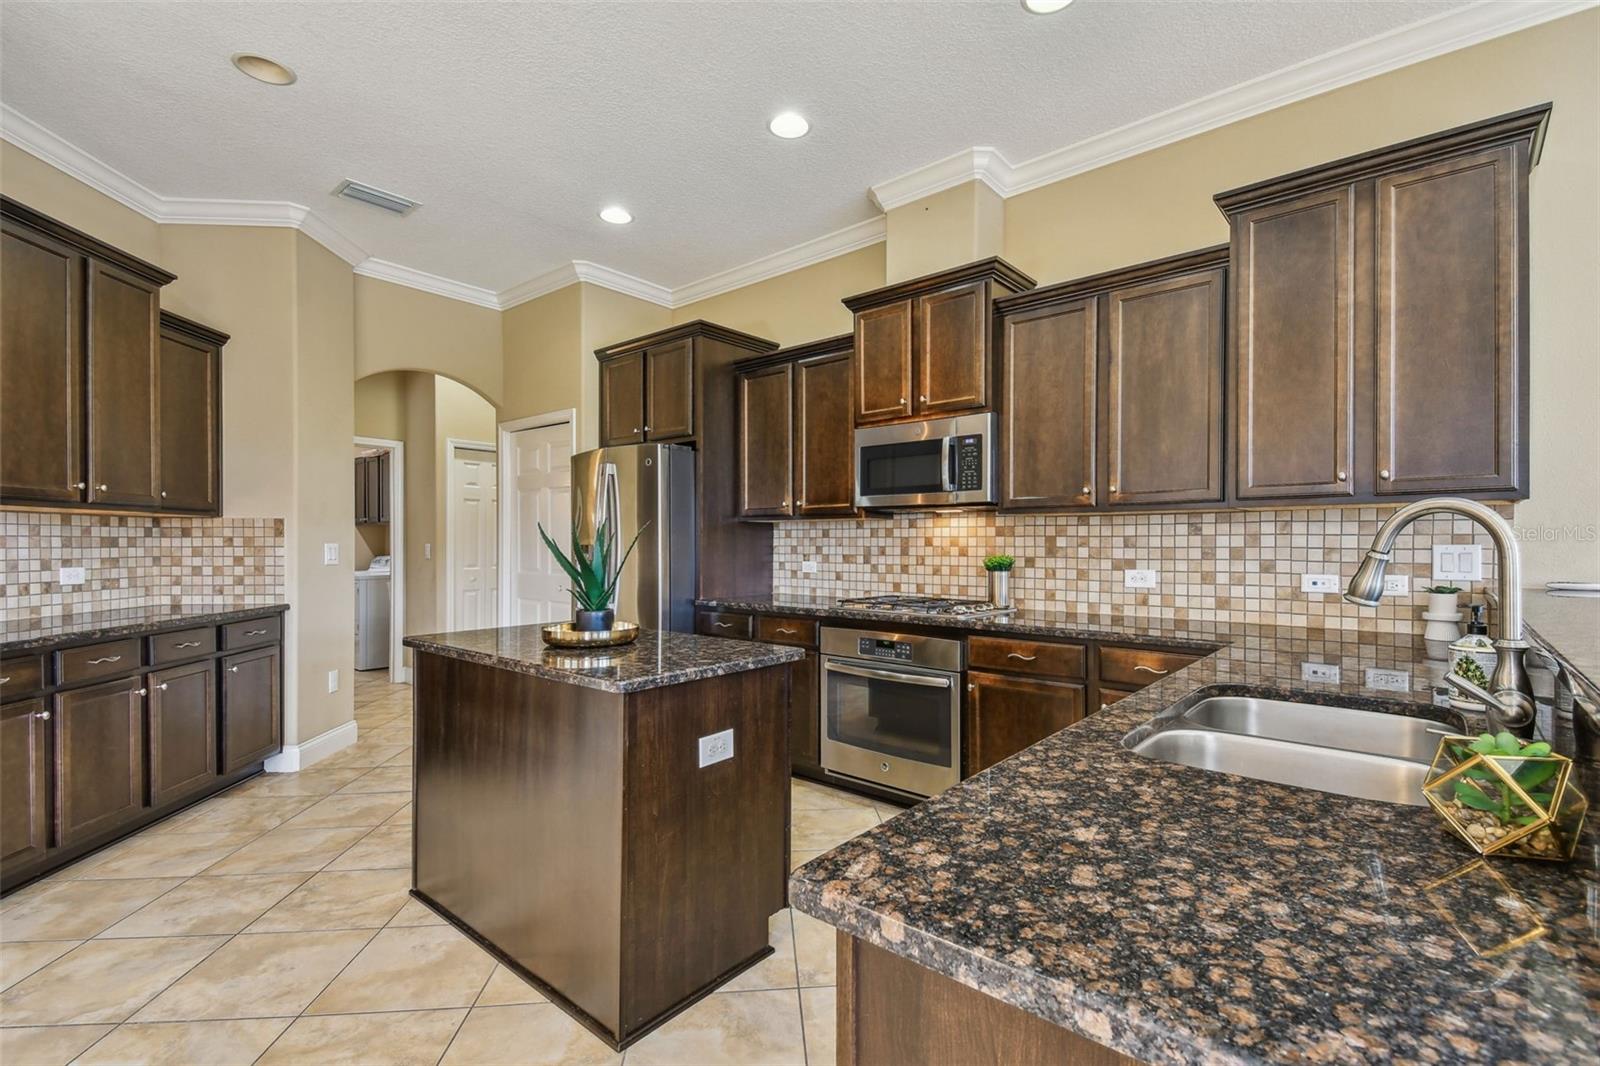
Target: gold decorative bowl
point(1525, 806)
point(562, 635)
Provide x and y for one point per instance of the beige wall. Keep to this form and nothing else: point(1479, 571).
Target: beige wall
point(381, 406)
point(400, 328)
point(802, 305)
point(41, 186)
point(946, 229)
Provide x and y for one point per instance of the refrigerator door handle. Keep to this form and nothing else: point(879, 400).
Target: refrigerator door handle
point(611, 514)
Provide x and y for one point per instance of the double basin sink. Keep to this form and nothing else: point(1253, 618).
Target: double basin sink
point(1366, 754)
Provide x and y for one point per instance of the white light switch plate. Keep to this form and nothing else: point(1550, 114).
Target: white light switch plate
point(70, 575)
point(1319, 672)
point(1388, 680)
point(717, 747)
point(1319, 582)
point(1397, 585)
point(427, 551)
point(1457, 562)
point(333, 681)
point(330, 555)
point(809, 566)
point(1138, 579)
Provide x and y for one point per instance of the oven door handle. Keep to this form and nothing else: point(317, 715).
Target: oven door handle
point(889, 675)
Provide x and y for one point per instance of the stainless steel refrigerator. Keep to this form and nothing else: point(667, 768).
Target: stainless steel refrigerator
point(648, 488)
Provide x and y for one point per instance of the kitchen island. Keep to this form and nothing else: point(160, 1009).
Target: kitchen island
point(612, 825)
point(1079, 902)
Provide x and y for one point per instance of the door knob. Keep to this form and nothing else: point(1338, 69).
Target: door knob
point(1341, 475)
point(101, 488)
point(43, 716)
point(1086, 490)
point(233, 669)
point(1384, 474)
point(161, 687)
point(141, 692)
point(81, 485)
point(163, 494)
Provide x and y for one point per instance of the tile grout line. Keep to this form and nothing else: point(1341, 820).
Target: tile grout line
point(302, 1012)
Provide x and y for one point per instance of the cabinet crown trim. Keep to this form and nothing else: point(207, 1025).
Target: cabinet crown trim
point(1528, 124)
point(698, 328)
point(90, 246)
point(194, 330)
point(1094, 284)
point(810, 350)
point(993, 269)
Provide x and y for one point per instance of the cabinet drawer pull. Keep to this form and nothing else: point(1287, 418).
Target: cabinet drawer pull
point(1151, 670)
point(786, 629)
point(107, 659)
point(187, 644)
point(723, 625)
point(3, 680)
point(43, 716)
point(1022, 657)
point(255, 632)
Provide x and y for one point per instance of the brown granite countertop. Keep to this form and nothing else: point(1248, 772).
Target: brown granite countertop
point(656, 659)
point(1183, 916)
point(24, 634)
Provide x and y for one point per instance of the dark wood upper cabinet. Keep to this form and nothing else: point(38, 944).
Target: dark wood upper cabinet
point(824, 456)
point(251, 708)
point(766, 437)
point(190, 415)
point(1380, 341)
point(1451, 283)
point(669, 391)
point(99, 759)
point(24, 781)
point(372, 489)
point(796, 432)
point(41, 366)
point(124, 417)
point(1163, 389)
point(622, 400)
point(922, 346)
point(1049, 362)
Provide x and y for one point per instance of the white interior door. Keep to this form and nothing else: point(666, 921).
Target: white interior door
point(474, 577)
point(538, 492)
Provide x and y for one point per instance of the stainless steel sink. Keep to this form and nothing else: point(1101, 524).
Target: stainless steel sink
point(1365, 754)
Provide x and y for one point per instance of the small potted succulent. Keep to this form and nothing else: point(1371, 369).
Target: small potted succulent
point(1442, 600)
point(594, 575)
point(999, 568)
point(1507, 796)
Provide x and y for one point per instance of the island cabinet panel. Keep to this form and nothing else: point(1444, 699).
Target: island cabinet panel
point(182, 731)
point(252, 715)
point(124, 390)
point(1006, 714)
point(99, 759)
point(190, 416)
point(1450, 291)
point(952, 343)
point(824, 459)
point(24, 781)
point(622, 400)
point(1295, 354)
point(669, 391)
point(892, 1012)
point(41, 366)
point(1163, 389)
point(883, 363)
point(1049, 362)
point(766, 441)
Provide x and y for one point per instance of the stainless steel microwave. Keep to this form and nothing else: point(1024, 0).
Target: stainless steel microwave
point(938, 462)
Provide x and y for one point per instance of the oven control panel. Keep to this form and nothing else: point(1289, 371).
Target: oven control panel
point(873, 648)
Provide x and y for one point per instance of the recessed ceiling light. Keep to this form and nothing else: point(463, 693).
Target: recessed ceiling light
point(1045, 7)
point(263, 69)
point(789, 125)
point(616, 215)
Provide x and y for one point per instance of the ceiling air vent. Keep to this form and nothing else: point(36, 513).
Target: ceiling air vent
point(388, 201)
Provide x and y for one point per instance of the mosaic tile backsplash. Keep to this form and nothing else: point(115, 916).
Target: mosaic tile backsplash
point(1231, 566)
point(136, 561)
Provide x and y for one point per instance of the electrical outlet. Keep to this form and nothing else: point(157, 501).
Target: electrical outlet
point(1455, 563)
point(70, 575)
point(718, 747)
point(1319, 582)
point(1397, 585)
point(1320, 672)
point(330, 555)
point(809, 566)
point(1388, 680)
point(427, 551)
point(1138, 579)
point(333, 681)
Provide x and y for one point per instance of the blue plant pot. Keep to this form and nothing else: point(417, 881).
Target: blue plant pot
point(593, 621)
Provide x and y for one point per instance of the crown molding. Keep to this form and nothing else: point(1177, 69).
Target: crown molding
point(535, 287)
point(617, 281)
point(62, 154)
point(411, 278)
point(970, 164)
point(860, 235)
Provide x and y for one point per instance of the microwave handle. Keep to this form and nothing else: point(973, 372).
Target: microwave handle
point(949, 463)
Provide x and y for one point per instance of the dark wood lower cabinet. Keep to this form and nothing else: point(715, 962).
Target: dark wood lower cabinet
point(24, 781)
point(183, 732)
point(251, 722)
point(893, 1012)
point(1006, 714)
point(805, 726)
point(99, 758)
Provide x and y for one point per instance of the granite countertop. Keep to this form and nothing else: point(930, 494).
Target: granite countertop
point(1182, 916)
point(23, 634)
point(655, 660)
point(1570, 626)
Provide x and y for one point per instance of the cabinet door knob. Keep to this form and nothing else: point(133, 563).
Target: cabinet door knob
point(163, 494)
point(161, 687)
point(923, 398)
point(43, 716)
point(1384, 474)
point(1112, 488)
point(81, 485)
point(233, 669)
point(1086, 490)
point(141, 692)
point(636, 429)
point(902, 401)
point(1341, 475)
point(802, 503)
point(101, 488)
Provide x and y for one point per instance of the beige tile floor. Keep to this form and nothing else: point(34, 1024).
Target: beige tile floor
point(272, 925)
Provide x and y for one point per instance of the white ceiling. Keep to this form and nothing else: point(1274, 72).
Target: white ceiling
point(514, 123)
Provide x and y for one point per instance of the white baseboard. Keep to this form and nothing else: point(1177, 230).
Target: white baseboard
point(300, 756)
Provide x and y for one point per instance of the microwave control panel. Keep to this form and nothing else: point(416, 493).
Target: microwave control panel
point(969, 463)
point(872, 648)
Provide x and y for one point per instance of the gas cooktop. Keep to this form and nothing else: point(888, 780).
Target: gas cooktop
point(936, 605)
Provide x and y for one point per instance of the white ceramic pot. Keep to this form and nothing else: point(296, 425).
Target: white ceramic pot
point(1443, 603)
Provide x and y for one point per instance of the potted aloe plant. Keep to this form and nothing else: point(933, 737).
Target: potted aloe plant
point(594, 575)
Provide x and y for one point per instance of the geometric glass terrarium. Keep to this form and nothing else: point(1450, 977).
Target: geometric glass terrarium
point(1506, 797)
